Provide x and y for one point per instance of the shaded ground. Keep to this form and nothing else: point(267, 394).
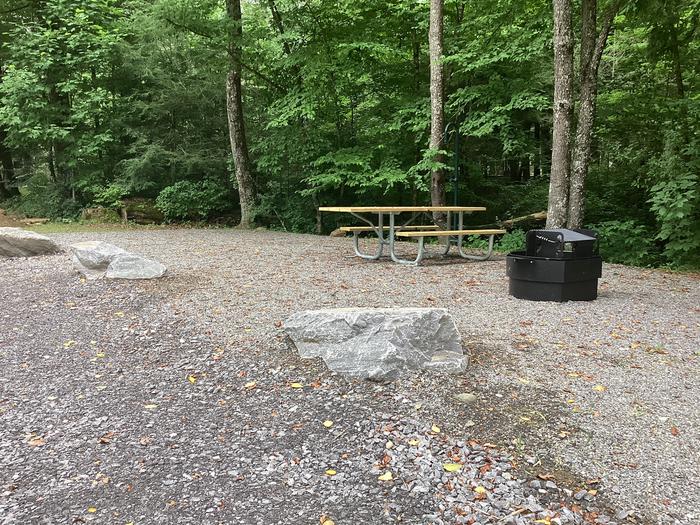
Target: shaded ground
point(130, 399)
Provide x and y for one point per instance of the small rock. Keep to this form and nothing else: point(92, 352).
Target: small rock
point(466, 398)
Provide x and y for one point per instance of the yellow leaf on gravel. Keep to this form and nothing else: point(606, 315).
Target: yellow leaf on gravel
point(119, 314)
point(328, 521)
point(330, 472)
point(451, 467)
point(192, 379)
point(599, 388)
point(387, 476)
point(418, 406)
point(150, 407)
point(92, 510)
point(328, 423)
point(37, 441)
point(389, 444)
point(414, 442)
point(68, 344)
point(296, 385)
point(250, 384)
point(480, 490)
point(435, 429)
point(100, 354)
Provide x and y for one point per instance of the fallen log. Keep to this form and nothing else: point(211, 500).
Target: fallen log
point(532, 217)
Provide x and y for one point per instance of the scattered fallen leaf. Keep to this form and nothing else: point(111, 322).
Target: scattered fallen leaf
point(451, 467)
point(68, 344)
point(92, 510)
point(100, 354)
point(296, 385)
point(192, 379)
point(593, 492)
point(599, 388)
point(435, 429)
point(119, 314)
point(145, 440)
point(150, 407)
point(414, 442)
point(106, 439)
point(389, 444)
point(330, 472)
point(675, 431)
point(250, 385)
point(37, 441)
point(479, 489)
point(328, 423)
point(418, 406)
point(387, 476)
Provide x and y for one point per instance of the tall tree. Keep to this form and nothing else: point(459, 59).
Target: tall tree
point(234, 109)
point(592, 46)
point(437, 104)
point(563, 114)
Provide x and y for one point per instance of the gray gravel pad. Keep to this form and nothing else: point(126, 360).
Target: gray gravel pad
point(180, 401)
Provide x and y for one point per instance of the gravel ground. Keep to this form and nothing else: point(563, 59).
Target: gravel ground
point(178, 401)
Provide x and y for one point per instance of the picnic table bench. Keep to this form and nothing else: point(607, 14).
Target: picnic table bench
point(387, 235)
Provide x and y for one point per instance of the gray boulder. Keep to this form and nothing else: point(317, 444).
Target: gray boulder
point(132, 266)
point(95, 259)
point(378, 343)
point(91, 258)
point(16, 242)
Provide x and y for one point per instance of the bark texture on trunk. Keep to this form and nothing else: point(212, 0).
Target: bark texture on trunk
point(234, 110)
point(437, 121)
point(563, 113)
point(592, 46)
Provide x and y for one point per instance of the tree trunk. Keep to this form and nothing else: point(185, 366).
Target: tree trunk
point(437, 121)
point(234, 110)
point(592, 46)
point(563, 112)
point(7, 187)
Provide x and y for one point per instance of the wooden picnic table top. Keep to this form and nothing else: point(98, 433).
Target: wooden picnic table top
point(398, 209)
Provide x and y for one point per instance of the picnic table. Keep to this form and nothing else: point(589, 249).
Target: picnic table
point(387, 234)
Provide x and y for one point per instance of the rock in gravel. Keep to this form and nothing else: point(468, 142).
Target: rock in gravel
point(96, 259)
point(466, 397)
point(132, 266)
point(16, 242)
point(91, 258)
point(378, 343)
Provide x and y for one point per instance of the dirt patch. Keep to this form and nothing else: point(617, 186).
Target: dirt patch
point(7, 221)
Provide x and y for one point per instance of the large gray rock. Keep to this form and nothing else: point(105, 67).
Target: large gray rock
point(16, 242)
point(132, 266)
point(91, 258)
point(378, 343)
point(95, 259)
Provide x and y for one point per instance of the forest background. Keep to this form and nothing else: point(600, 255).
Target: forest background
point(102, 101)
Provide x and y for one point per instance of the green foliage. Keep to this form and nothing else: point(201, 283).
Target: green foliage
point(626, 242)
point(104, 100)
point(42, 197)
point(675, 201)
point(509, 242)
point(187, 200)
point(109, 196)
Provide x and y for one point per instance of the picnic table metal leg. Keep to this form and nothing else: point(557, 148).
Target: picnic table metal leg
point(392, 239)
point(379, 230)
point(472, 257)
point(478, 257)
point(448, 242)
